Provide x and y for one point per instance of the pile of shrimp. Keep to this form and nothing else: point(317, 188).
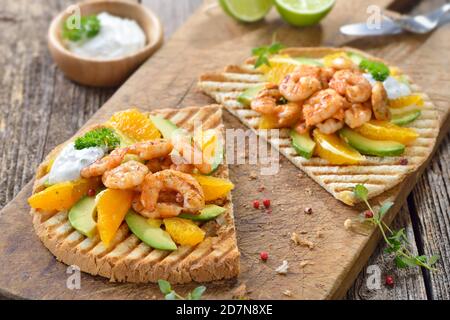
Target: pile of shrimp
point(324, 97)
point(161, 178)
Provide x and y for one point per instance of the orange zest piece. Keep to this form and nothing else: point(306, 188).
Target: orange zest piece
point(135, 125)
point(384, 130)
point(330, 147)
point(184, 231)
point(414, 99)
point(213, 187)
point(112, 206)
point(62, 196)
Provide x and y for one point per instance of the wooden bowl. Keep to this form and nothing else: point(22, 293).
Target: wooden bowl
point(105, 72)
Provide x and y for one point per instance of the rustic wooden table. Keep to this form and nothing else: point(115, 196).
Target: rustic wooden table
point(39, 108)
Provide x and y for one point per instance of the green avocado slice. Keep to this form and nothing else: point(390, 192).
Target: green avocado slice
point(380, 148)
point(303, 144)
point(249, 94)
point(154, 237)
point(82, 216)
point(405, 118)
point(209, 212)
point(166, 127)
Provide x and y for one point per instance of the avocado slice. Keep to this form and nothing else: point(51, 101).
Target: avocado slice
point(166, 127)
point(81, 216)
point(371, 147)
point(249, 94)
point(405, 118)
point(355, 57)
point(154, 237)
point(209, 212)
point(303, 144)
point(308, 61)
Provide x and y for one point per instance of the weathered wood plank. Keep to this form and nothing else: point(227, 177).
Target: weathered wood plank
point(409, 282)
point(431, 199)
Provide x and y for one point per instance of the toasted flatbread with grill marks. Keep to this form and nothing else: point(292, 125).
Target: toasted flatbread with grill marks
point(129, 259)
point(376, 173)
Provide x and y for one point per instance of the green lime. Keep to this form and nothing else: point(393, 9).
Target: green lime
point(246, 10)
point(303, 12)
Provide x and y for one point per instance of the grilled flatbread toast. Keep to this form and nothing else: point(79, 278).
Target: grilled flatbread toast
point(378, 174)
point(129, 259)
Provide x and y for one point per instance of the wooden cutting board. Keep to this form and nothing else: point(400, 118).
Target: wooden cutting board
point(208, 41)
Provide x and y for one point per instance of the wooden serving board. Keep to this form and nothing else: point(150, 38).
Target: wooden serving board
point(208, 41)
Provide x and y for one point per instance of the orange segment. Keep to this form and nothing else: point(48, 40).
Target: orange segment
point(112, 206)
point(330, 58)
point(214, 188)
point(384, 130)
point(184, 231)
point(330, 147)
point(414, 99)
point(134, 125)
point(280, 66)
point(268, 122)
point(62, 196)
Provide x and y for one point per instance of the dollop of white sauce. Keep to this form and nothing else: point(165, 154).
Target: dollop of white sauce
point(118, 37)
point(68, 164)
point(394, 88)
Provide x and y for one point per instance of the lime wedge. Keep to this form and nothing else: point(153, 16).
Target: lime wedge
point(246, 10)
point(303, 12)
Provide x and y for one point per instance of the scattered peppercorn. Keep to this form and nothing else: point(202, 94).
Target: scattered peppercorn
point(308, 210)
point(264, 256)
point(256, 204)
point(368, 214)
point(403, 161)
point(91, 192)
point(266, 203)
point(389, 280)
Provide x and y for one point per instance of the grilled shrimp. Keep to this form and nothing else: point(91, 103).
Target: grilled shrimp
point(266, 100)
point(128, 175)
point(158, 164)
point(151, 149)
point(342, 62)
point(322, 106)
point(352, 85)
point(326, 74)
point(379, 102)
point(104, 164)
point(190, 153)
point(301, 84)
point(162, 210)
point(330, 126)
point(185, 184)
point(357, 115)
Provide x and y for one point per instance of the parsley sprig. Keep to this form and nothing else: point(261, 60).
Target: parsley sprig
point(397, 242)
point(170, 294)
point(99, 137)
point(89, 28)
point(264, 52)
point(378, 70)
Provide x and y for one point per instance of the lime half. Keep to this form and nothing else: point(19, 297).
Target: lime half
point(246, 10)
point(303, 12)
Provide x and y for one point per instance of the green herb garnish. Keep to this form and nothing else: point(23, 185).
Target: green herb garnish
point(263, 53)
point(397, 242)
point(170, 294)
point(100, 137)
point(378, 70)
point(89, 27)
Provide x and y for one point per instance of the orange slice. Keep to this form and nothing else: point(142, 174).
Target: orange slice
point(112, 206)
point(184, 231)
point(62, 196)
point(330, 147)
point(414, 99)
point(135, 125)
point(213, 187)
point(384, 130)
point(268, 122)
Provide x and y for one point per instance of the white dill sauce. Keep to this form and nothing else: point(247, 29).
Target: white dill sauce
point(118, 37)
